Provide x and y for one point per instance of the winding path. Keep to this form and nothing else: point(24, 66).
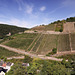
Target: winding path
point(29, 54)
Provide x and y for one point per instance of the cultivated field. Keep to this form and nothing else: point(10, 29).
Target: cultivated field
point(37, 43)
point(21, 41)
point(73, 41)
point(47, 44)
point(63, 43)
point(41, 43)
point(6, 53)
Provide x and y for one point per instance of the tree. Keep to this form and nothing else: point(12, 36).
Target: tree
point(54, 50)
point(5, 59)
point(17, 69)
point(63, 62)
point(27, 59)
point(54, 69)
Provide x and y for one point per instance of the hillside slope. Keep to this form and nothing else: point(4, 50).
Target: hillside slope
point(5, 29)
point(40, 43)
point(54, 26)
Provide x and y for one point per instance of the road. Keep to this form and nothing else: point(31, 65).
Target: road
point(29, 54)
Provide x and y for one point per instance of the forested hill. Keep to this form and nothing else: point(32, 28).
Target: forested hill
point(71, 19)
point(5, 29)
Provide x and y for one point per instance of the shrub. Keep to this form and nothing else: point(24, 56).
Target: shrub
point(27, 59)
point(54, 50)
point(61, 30)
point(35, 31)
point(63, 62)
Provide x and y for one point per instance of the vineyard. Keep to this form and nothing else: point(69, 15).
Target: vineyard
point(21, 41)
point(47, 44)
point(63, 43)
point(41, 43)
point(73, 41)
point(6, 53)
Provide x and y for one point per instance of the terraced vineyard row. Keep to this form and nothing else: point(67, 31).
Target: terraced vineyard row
point(21, 41)
point(73, 41)
point(24, 35)
point(63, 43)
point(50, 41)
point(47, 44)
point(42, 43)
point(34, 42)
point(37, 43)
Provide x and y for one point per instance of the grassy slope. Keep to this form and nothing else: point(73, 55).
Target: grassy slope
point(6, 53)
point(40, 44)
point(37, 43)
point(73, 41)
point(50, 27)
point(63, 43)
point(21, 41)
point(34, 42)
point(47, 44)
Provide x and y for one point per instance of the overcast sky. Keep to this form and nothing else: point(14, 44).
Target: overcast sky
point(29, 13)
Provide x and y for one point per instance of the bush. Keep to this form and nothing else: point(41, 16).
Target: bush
point(61, 30)
point(35, 31)
point(27, 59)
point(54, 50)
point(63, 62)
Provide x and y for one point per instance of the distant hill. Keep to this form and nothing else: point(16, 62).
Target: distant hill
point(5, 29)
point(54, 26)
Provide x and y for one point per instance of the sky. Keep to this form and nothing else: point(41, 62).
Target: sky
point(30, 13)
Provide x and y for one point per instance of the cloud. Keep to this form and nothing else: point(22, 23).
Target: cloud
point(42, 8)
point(17, 22)
point(53, 11)
point(29, 9)
point(68, 3)
point(19, 2)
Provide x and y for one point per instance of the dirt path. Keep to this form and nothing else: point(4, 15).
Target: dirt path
point(48, 32)
point(63, 53)
point(19, 57)
point(31, 55)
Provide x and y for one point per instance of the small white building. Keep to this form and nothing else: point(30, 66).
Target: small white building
point(5, 67)
point(2, 73)
point(8, 34)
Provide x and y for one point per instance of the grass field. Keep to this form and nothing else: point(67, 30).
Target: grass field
point(6, 53)
point(21, 41)
point(63, 43)
point(73, 41)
